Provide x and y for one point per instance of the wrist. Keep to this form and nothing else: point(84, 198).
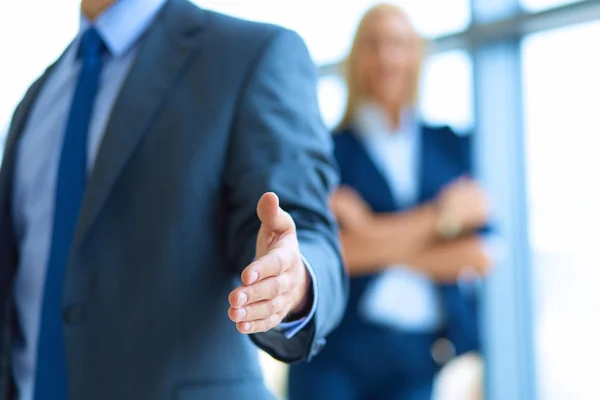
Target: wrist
point(303, 304)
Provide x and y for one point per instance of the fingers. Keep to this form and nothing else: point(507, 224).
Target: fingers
point(268, 291)
point(262, 325)
point(261, 306)
point(274, 263)
point(262, 290)
point(259, 310)
point(271, 215)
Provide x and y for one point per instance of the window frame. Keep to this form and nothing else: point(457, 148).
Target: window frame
point(493, 40)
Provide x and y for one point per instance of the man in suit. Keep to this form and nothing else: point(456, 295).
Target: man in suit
point(136, 187)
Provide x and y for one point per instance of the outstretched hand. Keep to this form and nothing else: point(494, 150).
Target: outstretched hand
point(277, 283)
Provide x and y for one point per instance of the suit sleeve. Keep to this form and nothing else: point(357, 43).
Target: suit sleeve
point(280, 144)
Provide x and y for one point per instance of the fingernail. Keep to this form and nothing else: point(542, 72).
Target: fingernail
point(242, 298)
point(253, 277)
point(246, 327)
point(241, 313)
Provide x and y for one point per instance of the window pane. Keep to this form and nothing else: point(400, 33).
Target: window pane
point(332, 99)
point(29, 42)
point(327, 27)
point(438, 17)
point(446, 90)
point(562, 94)
point(537, 5)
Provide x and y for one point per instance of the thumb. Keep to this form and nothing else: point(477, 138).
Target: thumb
point(271, 215)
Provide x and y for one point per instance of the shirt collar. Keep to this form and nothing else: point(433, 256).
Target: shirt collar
point(371, 122)
point(123, 23)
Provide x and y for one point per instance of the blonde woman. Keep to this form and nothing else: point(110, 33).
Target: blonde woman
point(412, 230)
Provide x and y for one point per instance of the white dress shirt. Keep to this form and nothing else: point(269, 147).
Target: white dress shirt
point(401, 297)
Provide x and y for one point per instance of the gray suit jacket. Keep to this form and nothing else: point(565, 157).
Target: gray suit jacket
point(215, 112)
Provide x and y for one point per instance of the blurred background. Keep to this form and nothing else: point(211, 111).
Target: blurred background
point(525, 77)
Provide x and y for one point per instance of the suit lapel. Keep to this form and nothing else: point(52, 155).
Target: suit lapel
point(425, 166)
point(8, 250)
point(433, 164)
point(169, 45)
point(445, 158)
point(16, 128)
point(374, 187)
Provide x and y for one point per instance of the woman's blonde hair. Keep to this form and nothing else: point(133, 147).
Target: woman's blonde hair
point(353, 80)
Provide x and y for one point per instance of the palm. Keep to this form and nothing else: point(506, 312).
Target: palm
point(266, 241)
point(277, 282)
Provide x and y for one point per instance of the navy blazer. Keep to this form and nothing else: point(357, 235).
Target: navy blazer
point(369, 356)
point(444, 157)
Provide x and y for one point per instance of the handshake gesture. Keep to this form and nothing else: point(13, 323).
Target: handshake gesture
point(277, 284)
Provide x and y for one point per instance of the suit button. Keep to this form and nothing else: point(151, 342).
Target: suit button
point(71, 314)
point(442, 351)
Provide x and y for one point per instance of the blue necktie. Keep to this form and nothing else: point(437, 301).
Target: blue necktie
point(51, 373)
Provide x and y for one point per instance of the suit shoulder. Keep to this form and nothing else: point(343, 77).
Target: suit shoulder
point(184, 16)
point(246, 44)
point(244, 32)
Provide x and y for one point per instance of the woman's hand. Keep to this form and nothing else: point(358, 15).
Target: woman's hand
point(465, 202)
